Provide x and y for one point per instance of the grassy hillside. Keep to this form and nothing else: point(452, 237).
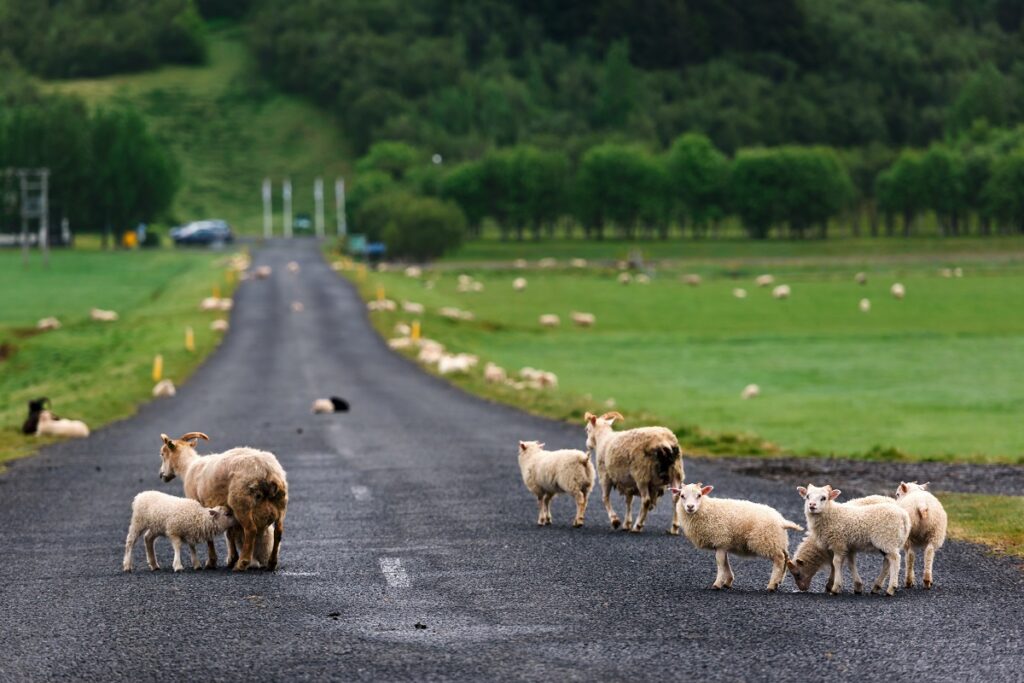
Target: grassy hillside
point(229, 129)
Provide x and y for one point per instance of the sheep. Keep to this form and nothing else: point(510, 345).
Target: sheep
point(781, 292)
point(765, 280)
point(50, 425)
point(549, 320)
point(46, 324)
point(402, 329)
point(927, 527)
point(156, 514)
point(210, 303)
point(946, 272)
point(539, 379)
point(414, 272)
point(547, 262)
point(334, 404)
point(578, 263)
point(263, 272)
point(897, 290)
point(958, 272)
point(452, 313)
point(226, 304)
point(35, 407)
point(519, 263)
point(861, 278)
point(103, 316)
point(844, 530)
point(642, 279)
point(400, 343)
point(864, 305)
point(640, 461)
point(739, 293)
point(293, 267)
point(164, 389)
point(519, 284)
point(450, 364)
point(582, 319)
point(811, 557)
point(750, 391)
point(548, 473)
point(413, 307)
point(430, 352)
point(739, 526)
point(625, 278)
point(381, 305)
point(692, 279)
point(298, 307)
point(219, 325)
point(249, 481)
point(495, 374)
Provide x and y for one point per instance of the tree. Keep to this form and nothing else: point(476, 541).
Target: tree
point(1004, 191)
point(943, 184)
point(900, 189)
point(986, 96)
point(391, 157)
point(698, 175)
point(366, 185)
point(423, 228)
point(618, 92)
point(465, 185)
point(619, 184)
point(756, 188)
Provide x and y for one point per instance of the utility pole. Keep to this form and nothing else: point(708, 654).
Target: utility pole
point(268, 209)
point(287, 192)
point(339, 203)
point(318, 198)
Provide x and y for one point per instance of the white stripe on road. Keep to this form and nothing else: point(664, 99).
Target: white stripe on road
point(298, 573)
point(361, 492)
point(394, 572)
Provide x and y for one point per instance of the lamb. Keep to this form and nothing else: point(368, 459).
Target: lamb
point(452, 313)
point(539, 379)
point(640, 461)
point(298, 307)
point(781, 292)
point(547, 473)
point(765, 280)
point(35, 408)
point(494, 374)
point(456, 363)
point(625, 278)
point(334, 404)
point(103, 316)
point(156, 514)
point(897, 290)
point(414, 272)
point(519, 284)
point(547, 262)
point(692, 279)
point(400, 343)
point(811, 557)
point(381, 305)
point(226, 304)
point(549, 320)
point(430, 352)
point(643, 279)
point(412, 307)
point(249, 481)
point(750, 391)
point(210, 303)
point(293, 267)
point(864, 305)
point(50, 425)
point(844, 530)
point(739, 526)
point(219, 325)
point(519, 263)
point(927, 527)
point(739, 293)
point(47, 324)
point(578, 263)
point(582, 319)
point(263, 272)
point(164, 389)
point(861, 278)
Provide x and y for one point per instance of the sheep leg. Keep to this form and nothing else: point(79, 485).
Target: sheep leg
point(910, 565)
point(176, 542)
point(778, 572)
point(858, 583)
point(581, 509)
point(540, 509)
point(729, 576)
point(547, 509)
point(629, 512)
point(233, 545)
point(195, 556)
point(929, 559)
point(882, 573)
point(278, 533)
point(894, 571)
point(837, 567)
point(129, 545)
point(676, 517)
point(150, 539)
point(831, 574)
point(248, 543)
point(211, 555)
point(722, 564)
point(646, 504)
point(606, 498)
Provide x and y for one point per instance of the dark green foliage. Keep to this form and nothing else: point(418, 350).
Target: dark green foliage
point(620, 185)
point(412, 227)
point(698, 179)
point(1004, 192)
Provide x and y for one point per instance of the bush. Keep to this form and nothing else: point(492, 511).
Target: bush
point(417, 228)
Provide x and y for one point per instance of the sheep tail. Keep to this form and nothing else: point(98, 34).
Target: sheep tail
point(267, 489)
point(922, 510)
point(786, 524)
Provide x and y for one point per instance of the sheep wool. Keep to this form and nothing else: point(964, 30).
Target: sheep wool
point(47, 324)
point(52, 426)
point(164, 389)
point(927, 528)
point(182, 520)
point(549, 320)
point(548, 473)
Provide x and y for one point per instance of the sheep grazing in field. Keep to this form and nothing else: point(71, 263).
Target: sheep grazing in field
point(741, 527)
point(402, 329)
point(414, 272)
point(430, 352)
point(103, 316)
point(861, 278)
point(765, 280)
point(226, 304)
point(519, 284)
point(495, 374)
point(539, 379)
point(210, 303)
point(811, 557)
point(549, 320)
point(548, 473)
point(381, 305)
point(927, 527)
point(519, 263)
point(625, 278)
point(47, 324)
point(164, 389)
point(750, 391)
point(219, 325)
point(182, 520)
point(50, 425)
point(263, 272)
point(578, 263)
point(946, 272)
point(248, 481)
point(958, 272)
point(844, 529)
point(739, 293)
point(298, 307)
point(452, 313)
point(642, 279)
point(547, 263)
point(459, 363)
point(781, 292)
point(692, 279)
point(35, 408)
point(334, 404)
point(413, 308)
point(897, 290)
point(640, 461)
point(582, 319)
point(400, 343)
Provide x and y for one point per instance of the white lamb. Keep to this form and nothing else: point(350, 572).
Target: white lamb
point(47, 324)
point(582, 319)
point(750, 391)
point(739, 293)
point(625, 278)
point(897, 290)
point(210, 303)
point(494, 374)
point(414, 272)
point(50, 426)
point(164, 389)
point(412, 307)
point(103, 316)
point(400, 343)
point(927, 527)
point(460, 363)
point(547, 473)
point(519, 284)
point(738, 526)
point(764, 280)
point(381, 305)
point(263, 272)
point(692, 279)
point(219, 325)
point(781, 292)
point(864, 305)
point(578, 263)
point(640, 461)
point(549, 320)
point(293, 267)
point(861, 278)
point(643, 279)
point(844, 529)
point(430, 352)
point(182, 520)
point(547, 262)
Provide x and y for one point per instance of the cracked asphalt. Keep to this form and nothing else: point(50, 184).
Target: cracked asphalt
point(410, 550)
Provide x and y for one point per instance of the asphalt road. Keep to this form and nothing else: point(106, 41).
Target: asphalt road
point(410, 510)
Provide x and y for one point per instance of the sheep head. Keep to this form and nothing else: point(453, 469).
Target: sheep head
point(593, 422)
point(172, 447)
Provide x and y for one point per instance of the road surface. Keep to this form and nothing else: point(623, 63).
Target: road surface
point(410, 550)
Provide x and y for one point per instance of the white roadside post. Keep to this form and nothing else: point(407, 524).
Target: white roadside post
point(339, 203)
point(287, 192)
point(268, 210)
point(318, 198)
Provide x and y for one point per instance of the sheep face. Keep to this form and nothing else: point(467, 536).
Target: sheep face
point(817, 499)
point(691, 496)
point(223, 518)
point(172, 447)
point(594, 423)
point(801, 576)
point(909, 487)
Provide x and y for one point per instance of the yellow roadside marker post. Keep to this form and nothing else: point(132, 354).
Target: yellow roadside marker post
point(158, 367)
point(190, 339)
point(415, 333)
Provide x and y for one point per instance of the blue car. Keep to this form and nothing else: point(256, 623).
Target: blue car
point(206, 232)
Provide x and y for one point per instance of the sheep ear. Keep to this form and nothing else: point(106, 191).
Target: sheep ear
point(590, 417)
point(802, 491)
point(676, 491)
point(706, 490)
point(834, 494)
point(612, 417)
point(792, 566)
point(213, 512)
point(903, 487)
point(522, 445)
point(925, 485)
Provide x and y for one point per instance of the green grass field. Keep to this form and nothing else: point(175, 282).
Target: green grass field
point(992, 520)
point(96, 371)
point(933, 376)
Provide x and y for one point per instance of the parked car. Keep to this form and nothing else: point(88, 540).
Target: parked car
point(303, 223)
point(212, 231)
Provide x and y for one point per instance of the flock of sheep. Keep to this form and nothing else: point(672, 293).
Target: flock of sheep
point(647, 463)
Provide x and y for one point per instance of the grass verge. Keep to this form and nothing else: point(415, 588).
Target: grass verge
point(995, 521)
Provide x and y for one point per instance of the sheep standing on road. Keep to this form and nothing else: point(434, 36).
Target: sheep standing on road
point(164, 389)
point(49, 425)
point(334, 404)
point(843, 530)
point(734, 526)
point(182, 520)
point(548, 473)
point(640, 461)
point(927, 527)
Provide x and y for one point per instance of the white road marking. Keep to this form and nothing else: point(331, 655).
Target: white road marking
point(394, 572)
point(298, 573)
point(361, 492)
